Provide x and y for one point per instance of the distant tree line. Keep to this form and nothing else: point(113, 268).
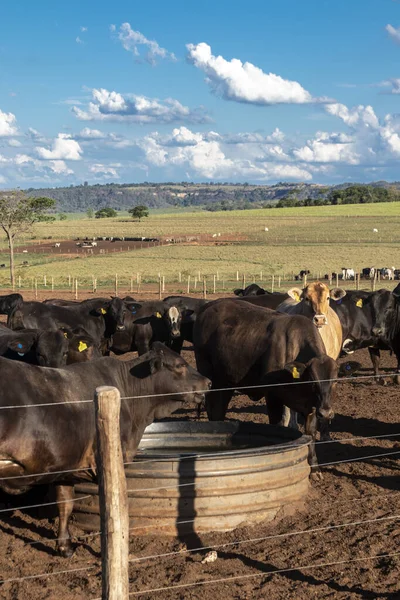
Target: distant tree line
point(354, 194)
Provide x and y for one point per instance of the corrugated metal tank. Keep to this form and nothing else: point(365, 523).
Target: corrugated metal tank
point(211, 476)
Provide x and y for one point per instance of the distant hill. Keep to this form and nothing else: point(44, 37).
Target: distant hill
point(210, 196)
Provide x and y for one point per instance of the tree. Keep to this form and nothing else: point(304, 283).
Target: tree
point(105, 212)
point(139, 212)
point(90, 213)
point(62, 216)
point(18, 213)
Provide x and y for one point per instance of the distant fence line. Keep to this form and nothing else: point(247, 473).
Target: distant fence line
point(184, 283)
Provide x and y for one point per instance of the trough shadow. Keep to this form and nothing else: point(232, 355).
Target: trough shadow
point(364, 427)
point(297, 576)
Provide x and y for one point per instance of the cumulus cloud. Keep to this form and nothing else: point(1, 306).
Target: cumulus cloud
point(14, 143)
point(363, 115)
point(244, 82)
point(133, 40)
point(63, 148)
point(78, 40)
point(207, 156)
point(54, 166)
point(87, 134)
point(36, 136)
point(7, 124)
point(113, 106)
point(394, 33)
point(393, 84)
point(104, 170)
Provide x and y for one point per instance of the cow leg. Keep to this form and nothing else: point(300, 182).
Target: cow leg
point(396, 378)
point(65, 504)
point(375, 356)
point(278, 414)
point(176, 344)
point(217, 404)
point(311, 429)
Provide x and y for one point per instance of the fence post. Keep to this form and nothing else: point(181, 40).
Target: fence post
point(76, 289)
point(180, 277)
point(163, 283)
point(19, 281)
point(195, 283)
point(139, 281)
point(204, 288)
point(131, 288)
point(159, 288)
point(272, 283)
point(305, 281)
point(116, 284)
point(36, 293)
point(279, 282)
point(244, 281)
point(44, 280)
point(337, 279)
point(214, 284)
point(237, 275)
point(260, 275)
point(52, 283)
point(113, 498)
point(188, 285)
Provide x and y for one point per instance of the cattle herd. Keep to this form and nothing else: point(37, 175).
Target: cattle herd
point(53, 355)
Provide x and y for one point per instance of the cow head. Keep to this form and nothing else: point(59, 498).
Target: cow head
point(316, 295)
point(173, 375)
point(385, 307)
point(10, 303)
point(49, 348)
point(318, 377)
point(114, 310)
point(81, 346)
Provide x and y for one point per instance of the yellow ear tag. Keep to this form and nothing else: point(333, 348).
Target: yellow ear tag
point(296, 296)
point(158, 315)
point(359, 303)
point(82, 346)
point(295, 373)
point(65, 334)
point(103, 311)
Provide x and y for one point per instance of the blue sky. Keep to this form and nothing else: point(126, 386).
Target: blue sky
point(223, 91)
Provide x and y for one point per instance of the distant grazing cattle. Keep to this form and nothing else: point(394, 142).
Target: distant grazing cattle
point(25, 251)
point(302, 274)
point(368, 273)
point(3, 266)
point(375, 230)
point(25, 263)
point(348, 273)
point(387, 273)
point(57, 245)
point(59, 442)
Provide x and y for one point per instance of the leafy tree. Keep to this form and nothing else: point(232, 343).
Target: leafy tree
point(18, 213)
point(90, 212)
point(105, 212)
point(62, 216)
point(139, 212)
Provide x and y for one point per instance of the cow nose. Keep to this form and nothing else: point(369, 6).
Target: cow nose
point(208, 384)
point(320, 320)
point(377, 331)
point(120, 327)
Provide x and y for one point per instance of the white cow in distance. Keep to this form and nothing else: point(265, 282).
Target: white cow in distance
point(348, 273)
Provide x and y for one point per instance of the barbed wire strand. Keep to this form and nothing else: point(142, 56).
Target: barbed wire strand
point(264, 574)
point(206, 391)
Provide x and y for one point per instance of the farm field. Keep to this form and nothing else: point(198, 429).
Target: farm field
point(363, 489)
point(321, 239)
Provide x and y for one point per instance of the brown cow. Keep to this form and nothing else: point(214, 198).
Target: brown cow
point(313, 303)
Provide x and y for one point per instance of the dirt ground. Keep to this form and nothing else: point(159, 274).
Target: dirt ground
point(366, 487)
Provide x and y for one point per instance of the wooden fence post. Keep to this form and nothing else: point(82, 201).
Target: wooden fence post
point(76, 289)
point(139, 281)
point(19, 281)
point(113, 498)
point(237, 275)
point(36, 292)
point(163, 283)
point(44, 280)
point(260, 275)
point(279, 282)
point(131, 288)
point(188, 285)
point(116, 284)
point(244, 281)
point(159, 288)
point(337, 279)
point(204, 288)
point(214, 286)
point(272, 283)
point(52, 283)
point(305, 281)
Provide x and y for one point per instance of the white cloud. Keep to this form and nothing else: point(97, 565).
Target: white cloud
point(78, 40)
point(132, 40)
point(36, 136)
point(63, 148)
point(55, 166)
point(7, 124)
point(83, 29)
point(2, 179)
point(394, 85)
point(14, 143)
point(207, 156)
point(393, 33)
point(104, 170)
point(87, 134)
point(244, 82)
point(113, 106)
point(327, 152)
point(363, 115)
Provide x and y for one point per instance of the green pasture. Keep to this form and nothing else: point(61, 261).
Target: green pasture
point(321, 239)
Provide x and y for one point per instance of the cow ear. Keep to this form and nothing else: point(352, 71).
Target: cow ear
point(67, 333)
point(22, 343)
point(396, 292)
point(295, 293)
point(101, 310)
point(295, 368)
point(337, 293)
point(158, 315)
point(238, 292)
point(188, 312)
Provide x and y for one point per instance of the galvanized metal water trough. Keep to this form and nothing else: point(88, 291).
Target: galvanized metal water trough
point(208, 476)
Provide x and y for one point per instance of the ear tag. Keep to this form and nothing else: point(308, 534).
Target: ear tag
point(19, 345)
point(295, 373)
point(158, 315)
point(359, 303)
point(296, 296)
point(82, 346)
point(339, 301)
point(134, 311)
point(65, 334)
point(103, 311)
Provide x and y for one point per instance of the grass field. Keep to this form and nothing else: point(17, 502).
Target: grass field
point(321, 239)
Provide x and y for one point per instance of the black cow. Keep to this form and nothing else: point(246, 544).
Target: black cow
point(10, 303)
point(189, 308)
point(251, 290)
point(269, 300)
point(357, 318)
point(48, 348)
point(47, 444)
point(145, 323)
point(239, 345)
point(99, 317)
